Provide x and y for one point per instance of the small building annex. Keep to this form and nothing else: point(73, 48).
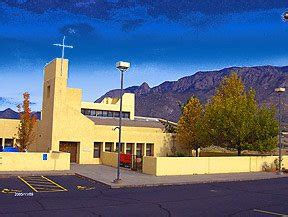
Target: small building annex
point(87, 129)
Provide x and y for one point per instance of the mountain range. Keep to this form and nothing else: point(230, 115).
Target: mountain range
point(11, 114)
point(163, 101)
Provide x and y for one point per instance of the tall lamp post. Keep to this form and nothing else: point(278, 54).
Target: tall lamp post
point(122, 67)
point(280, 91)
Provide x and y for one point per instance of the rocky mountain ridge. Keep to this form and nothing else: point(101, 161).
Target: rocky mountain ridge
point(163, 100)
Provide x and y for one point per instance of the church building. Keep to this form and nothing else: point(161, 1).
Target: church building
point(87, 129)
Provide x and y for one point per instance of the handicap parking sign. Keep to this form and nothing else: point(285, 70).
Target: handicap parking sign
point(45, 156)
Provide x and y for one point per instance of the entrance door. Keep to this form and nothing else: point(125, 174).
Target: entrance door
point(70, 147)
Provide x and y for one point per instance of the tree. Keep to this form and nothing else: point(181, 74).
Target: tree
point(234, 120)
point(265, 131)
point(189, 125)
point(27, 123)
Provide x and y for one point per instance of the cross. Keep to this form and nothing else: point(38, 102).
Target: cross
point(63, 49)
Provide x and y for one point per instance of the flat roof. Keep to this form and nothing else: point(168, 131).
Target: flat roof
point(127, 122)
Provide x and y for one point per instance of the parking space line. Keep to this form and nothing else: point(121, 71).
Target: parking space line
point(27, 184)
point(270, 213)
point(42, 184)
point(55, 183)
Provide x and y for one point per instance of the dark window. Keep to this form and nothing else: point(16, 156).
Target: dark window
point(99, 113)
point(129, 148)
point(48, 91)
point(149, 149)
point(105, 113)
point(126, 115)
point(93, 112)
point(97, 149)
point(8, 142)
point(139, 149)
point(108, 146)
point(122, 147)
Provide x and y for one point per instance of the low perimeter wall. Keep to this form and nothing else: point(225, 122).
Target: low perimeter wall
point(109, 158)
point(22, 161)
point(163, 166)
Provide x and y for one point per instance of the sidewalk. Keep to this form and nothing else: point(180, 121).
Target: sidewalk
point(106, 175)
point(5, 174)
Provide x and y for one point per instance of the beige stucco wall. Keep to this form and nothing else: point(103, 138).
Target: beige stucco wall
point(109, 159)
point(110, 105)
point(8, 128)
point(22, 161)
point(162, 166)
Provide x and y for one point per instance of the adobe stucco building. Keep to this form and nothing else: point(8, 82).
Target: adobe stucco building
point(87, 129)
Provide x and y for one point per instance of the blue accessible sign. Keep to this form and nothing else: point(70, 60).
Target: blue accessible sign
point(45, 157)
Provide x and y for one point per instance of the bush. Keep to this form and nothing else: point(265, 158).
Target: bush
point(180, 154)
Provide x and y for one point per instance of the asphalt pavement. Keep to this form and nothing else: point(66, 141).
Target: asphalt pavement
point(90, 198)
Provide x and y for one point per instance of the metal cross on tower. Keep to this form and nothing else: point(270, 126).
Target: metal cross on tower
point(63, 50)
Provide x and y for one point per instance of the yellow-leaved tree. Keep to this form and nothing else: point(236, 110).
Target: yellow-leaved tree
point(27, 123)
point(234, 120)
point(189, 128)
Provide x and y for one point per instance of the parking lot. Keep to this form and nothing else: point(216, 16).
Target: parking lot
point(83, 197)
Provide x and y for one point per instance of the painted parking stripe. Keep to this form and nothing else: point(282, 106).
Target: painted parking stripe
point(270, 213)
point(23, 180)
point(42, 184)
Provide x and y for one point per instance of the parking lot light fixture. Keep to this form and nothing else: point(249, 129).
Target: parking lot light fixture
point(122, 67)
point(280, 91)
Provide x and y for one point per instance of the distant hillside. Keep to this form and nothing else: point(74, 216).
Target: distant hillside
point(163, 100)
point(11, 114)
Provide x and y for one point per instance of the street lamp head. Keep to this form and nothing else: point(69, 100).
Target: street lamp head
point(122, 66)
point(285, 16)
point(280, 90)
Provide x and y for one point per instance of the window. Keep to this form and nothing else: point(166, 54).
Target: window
point(129, 148)
point(93, 112)
point(97, 149)
point(108, 146)
point(122, 147)
point(104, 113)
point(126, 115)
point(85, 111)
point(48, 91)
point(149, 149)
point(139, 149)
point(99, 113)
point(8, 143)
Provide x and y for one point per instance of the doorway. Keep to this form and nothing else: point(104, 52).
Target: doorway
point(70, 147)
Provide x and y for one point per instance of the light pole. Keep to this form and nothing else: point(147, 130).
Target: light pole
point(280, 91)
point(122, 67)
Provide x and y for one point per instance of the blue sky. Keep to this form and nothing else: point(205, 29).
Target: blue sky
point(163, 40)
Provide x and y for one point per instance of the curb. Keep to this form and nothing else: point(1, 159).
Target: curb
point(115, 186)
point(90, 179)
point(9, 175)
